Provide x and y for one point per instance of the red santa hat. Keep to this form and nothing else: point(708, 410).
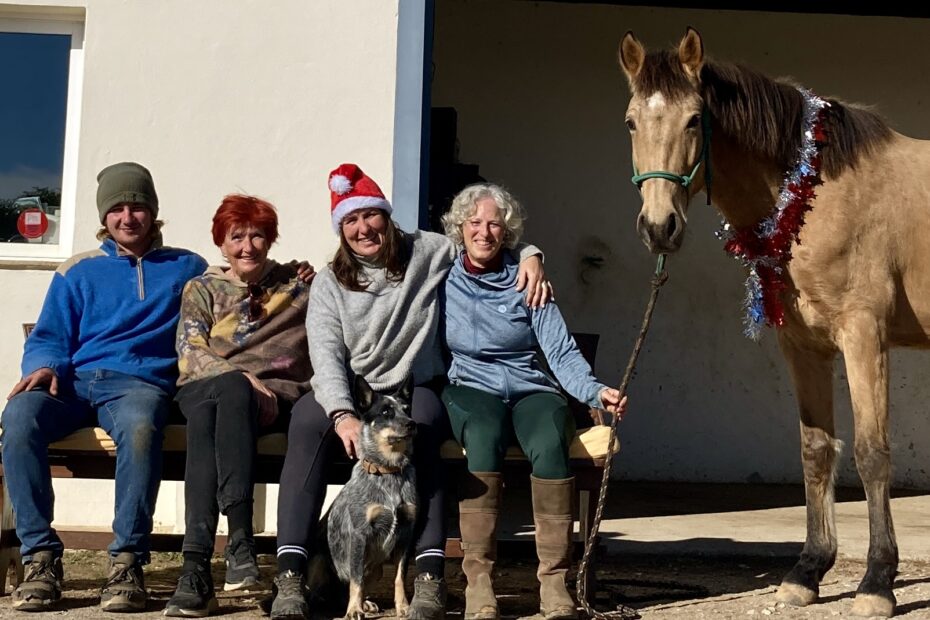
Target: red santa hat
point(351, 190)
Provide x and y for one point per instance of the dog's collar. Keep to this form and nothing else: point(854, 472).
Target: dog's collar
point(376, 469)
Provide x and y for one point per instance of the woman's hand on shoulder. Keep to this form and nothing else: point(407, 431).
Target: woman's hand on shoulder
point(305, 272)
point(532, 277)
point(612, 402)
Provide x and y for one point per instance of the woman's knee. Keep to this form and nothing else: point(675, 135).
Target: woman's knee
point(232, 386)
point(549, 458)
point(426, 408)
point(309, 423)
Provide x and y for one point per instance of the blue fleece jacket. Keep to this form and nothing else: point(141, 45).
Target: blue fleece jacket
point(105, 310)
point(495, 339)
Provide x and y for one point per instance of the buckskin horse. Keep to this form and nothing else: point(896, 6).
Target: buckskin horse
point(829, 209)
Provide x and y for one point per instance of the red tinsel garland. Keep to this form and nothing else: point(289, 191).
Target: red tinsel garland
point(770, 255)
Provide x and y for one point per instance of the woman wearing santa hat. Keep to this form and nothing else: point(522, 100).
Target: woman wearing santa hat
point(373, 312)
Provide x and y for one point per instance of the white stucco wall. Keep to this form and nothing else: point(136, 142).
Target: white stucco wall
point(541, 99)
point(215, 97)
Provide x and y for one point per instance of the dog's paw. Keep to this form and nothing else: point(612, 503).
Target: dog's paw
point(370, 607)
point(401, 608)
point(354, 614)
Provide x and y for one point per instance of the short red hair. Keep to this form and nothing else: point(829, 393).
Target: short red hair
point(241, 210)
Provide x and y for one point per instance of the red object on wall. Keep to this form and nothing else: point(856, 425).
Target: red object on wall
point(32, 223)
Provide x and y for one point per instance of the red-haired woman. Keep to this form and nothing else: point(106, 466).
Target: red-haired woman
point(242, 353)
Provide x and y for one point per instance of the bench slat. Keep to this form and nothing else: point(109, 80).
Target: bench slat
point(590, 443)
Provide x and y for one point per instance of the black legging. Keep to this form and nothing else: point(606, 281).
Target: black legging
point(311, 441)
point(222, 430)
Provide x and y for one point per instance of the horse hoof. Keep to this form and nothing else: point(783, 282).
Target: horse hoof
point(794, 594)
point(873, 605)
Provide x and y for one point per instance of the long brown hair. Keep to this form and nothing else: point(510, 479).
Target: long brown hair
point(393, 256)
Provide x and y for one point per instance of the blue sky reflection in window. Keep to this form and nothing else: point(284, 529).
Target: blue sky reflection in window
point(33, 102)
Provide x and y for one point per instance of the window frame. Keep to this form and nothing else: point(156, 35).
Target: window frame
point(72, 25)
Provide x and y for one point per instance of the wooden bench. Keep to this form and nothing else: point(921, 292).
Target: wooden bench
point(90, 453)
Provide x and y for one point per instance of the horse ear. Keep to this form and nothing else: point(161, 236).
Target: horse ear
point(691, 54)
point(632, 55)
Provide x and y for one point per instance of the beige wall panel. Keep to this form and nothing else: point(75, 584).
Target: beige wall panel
point(216, 97)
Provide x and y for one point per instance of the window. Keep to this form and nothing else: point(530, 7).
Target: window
point(40, 85)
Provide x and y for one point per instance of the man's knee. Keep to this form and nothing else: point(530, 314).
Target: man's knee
point(20, 418)
point(141, 434)
point(138, 419)
point(141, 408)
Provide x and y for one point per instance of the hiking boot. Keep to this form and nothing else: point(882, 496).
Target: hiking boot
point(429, 598)
point(241, 563)
point(125, 587)
point(194, 596)
point(41, 586)
point(290, 597)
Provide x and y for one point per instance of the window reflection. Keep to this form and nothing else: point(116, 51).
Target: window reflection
point(33, 102)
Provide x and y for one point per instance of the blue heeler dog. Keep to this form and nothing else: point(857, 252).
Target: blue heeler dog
point(372, 519)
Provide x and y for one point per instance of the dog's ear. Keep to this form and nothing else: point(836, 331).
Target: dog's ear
point(364, 395)
point(405, 391)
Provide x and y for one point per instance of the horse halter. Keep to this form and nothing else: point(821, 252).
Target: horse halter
point(684, 180)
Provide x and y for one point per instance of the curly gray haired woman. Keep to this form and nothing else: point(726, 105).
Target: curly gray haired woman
point(464, 206)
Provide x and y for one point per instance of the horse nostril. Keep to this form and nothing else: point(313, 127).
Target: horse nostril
point(671, 227)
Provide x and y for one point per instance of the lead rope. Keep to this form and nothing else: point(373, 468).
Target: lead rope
point(622, 612)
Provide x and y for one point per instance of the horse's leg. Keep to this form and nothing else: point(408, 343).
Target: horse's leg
point(864, 347)
point(812, 374)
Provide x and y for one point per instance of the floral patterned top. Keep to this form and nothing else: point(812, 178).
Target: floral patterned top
point(227, 325)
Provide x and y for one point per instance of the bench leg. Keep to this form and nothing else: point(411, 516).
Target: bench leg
point(9, 545)
point(587, 508)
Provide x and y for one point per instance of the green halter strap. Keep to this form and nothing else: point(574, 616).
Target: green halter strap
point(684, 181)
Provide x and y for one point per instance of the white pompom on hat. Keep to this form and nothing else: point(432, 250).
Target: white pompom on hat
point(351, 190)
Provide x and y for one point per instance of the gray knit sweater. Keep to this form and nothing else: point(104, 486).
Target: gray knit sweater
point(383, 333)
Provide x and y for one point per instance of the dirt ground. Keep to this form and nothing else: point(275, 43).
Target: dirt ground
point(657, 586)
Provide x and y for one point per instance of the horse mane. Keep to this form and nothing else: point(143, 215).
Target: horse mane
point(764, 114)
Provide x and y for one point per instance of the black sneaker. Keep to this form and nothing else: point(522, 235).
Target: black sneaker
point(290, 597)
point(429, 598)
point(125, 587)
point(241, 563)
point(41, 586)
point(194, 596)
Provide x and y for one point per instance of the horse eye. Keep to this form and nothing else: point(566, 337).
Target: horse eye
point(694, 121)
point(630, 124)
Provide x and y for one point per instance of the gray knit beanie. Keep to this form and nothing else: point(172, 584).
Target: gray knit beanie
point(125, 182)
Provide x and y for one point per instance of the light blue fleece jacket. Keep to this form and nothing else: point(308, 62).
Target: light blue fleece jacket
point(495, 339)
point(105, 310)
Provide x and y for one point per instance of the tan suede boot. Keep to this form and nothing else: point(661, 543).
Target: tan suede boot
point(478, 510)
point(552, 513)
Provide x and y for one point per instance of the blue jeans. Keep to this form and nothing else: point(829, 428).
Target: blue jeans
point(130, 410)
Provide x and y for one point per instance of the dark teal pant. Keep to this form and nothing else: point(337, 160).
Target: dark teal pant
point(486, 426)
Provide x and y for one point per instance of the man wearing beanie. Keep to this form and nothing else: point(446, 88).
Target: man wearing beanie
point(101, 354)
